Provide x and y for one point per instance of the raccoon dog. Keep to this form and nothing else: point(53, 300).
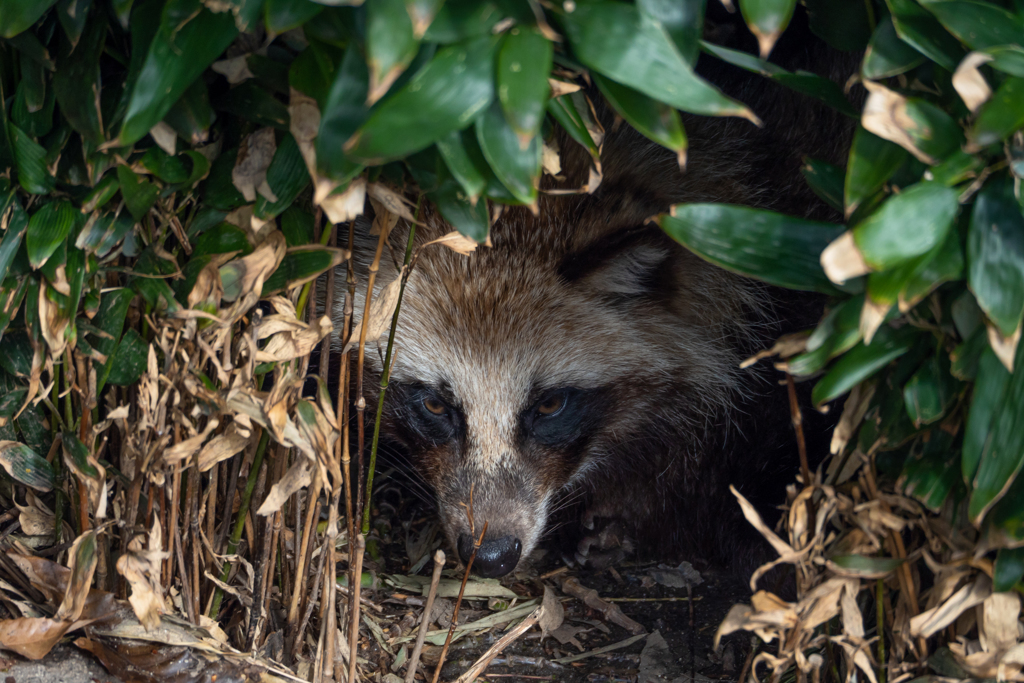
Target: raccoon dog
point(587, 363)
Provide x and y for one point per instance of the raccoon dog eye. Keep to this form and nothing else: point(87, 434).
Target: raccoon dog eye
point(551, 405)
point(434, 406)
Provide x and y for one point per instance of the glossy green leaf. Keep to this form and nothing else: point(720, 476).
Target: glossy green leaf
point(17, 225)
point(1003, 453)
point(931, 470)
point(103, 232)
point(778, 249)
point(11, 297)
point(909, 224)
point(284, 15)
point(25, 466)
point(459, 20)
point(36, 123)
point(170, 169)
point(462, 155)
point(630, 47)
point(218, 191)
point(47, 229)
point(912, 280)
point(300, 265)
point(139, 194)
point(101, 194)
point(1008, 59)
point(1009, 569)
point(516, 168)
point(252, 102)
point(130, 359)
point(468, 218)
point(33, 175)
point(989, 392)
point(524, 64)
point(564, 110)
point(682, 19)
point(887, 55)
point(30, 46)
point(802, 82)
point(930, 392)
point(767, 19)
point(177, 56)
point(995, 254)
point(287, 177)
point(10, 403)
point(390, 44)
point(980, 25)
point(222, 239)
point(1001, 115)
point(871, 163)
point(861, 362)
point(1005, 522)
point(110, 321)
point(18, 15)
point(191, 116)
point(155, 291)
point(422, 13)
point(658, 122)
point(16, 359)
point(836, 334)
point(825, 180)
point(922, 31)
point(343, 112)
point(297, 227)
point(844, 25)
point(446, 95)
point(77, 80)
point(958, 167)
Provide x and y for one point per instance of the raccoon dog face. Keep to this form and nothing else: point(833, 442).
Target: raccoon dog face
point(569, 347)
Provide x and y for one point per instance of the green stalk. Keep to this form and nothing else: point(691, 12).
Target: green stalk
point(385, 376)
point(325, 237)
point(243, 510)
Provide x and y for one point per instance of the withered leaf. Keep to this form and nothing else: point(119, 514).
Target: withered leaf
point(382, 308)
point(254, 157)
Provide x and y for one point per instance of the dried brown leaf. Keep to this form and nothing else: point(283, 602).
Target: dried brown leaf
point(254, 157)
point(885, 115)
point(382, 308)
point(552, 614)
point(969, 83)
point(842, 260)
point(140, 566)
point(343, 206)
point(931, 621)
point(298, 476)
point(222, 447)
point(457, 242)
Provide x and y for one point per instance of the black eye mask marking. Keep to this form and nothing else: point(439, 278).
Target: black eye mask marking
point(564, 416)
point(424, 415)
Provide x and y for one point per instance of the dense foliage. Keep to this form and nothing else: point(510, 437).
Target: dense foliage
point(170, 162)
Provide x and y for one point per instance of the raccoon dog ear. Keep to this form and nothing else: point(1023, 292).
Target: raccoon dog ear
point(631, 265)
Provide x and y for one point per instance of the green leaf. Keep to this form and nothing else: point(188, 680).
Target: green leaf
point(468, 218)
point(930, 392)
point(177, 56)
point(825, 180)
point(219, 192)
point(300, 265)
point(845, 25)
point(767, 19)
point(517, 169)
point(656, 121)
point(390, 44)
point(170, 169)
point(445, 95)
point(459, 20)
point(1008, 59)
point(36, 123)
point(17, 224)
point(872, 162)
point(103, 232)
point(297, 226)
point(769, 246)
point(524, 64)
point(988, 396)
point(907, 225)
point(1005, 522)
point(958, 167)
point(31, 160)
point(191, 116)
point(27, 43)
point(77, 80)
point(1009, 569)
point(110, 321)
point(287, 177)
point(836, 334)
point(861, 362)
point(222, 239)
point(682, 19)
point(11, 297)
point(252, 102)
point(130, 359)
point(630, 47)
point(139, 194)
point(924, 33)
point(1003, 453)
point(569, 117)
point(343, 112)
point(78, 454)
point(25, 467)
point(463, 157)
point(101, 194)
point(10, 403)
point(995, 254)
point(980, 25)
point(18, 15)
point(887, 55)
point(284, 15)
point(47, 230)
point(1001, 115)
point(16, 359)
point(802, 82)
point(931, 470)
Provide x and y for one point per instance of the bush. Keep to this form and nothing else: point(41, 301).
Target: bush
point(170, 163)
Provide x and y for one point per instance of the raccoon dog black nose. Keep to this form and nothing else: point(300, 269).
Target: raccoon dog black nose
point(495, 557)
